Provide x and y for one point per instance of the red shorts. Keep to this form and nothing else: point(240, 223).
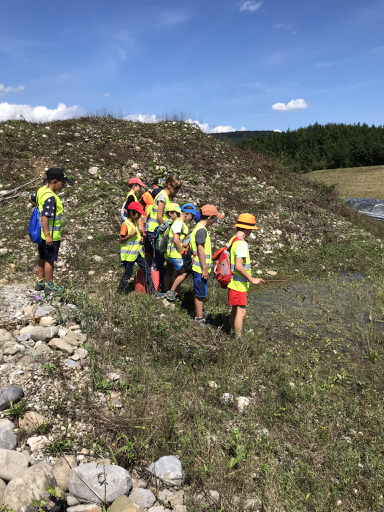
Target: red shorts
point(236, 298)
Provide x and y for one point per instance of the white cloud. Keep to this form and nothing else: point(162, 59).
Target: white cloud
point(6, 90)
point(39, 114)
point(292, 105)
point(278, 131)
point(106, 95)
point(281, 26)
point(250, 5)
point(142, 118)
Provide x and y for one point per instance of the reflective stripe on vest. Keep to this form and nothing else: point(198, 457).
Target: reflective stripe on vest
point(55, 223)
point(172, 252)
point(238, 282)
point(130, 249)
point(152, 212)
point(196, 265)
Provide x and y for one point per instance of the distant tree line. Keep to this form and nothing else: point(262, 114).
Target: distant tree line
point(329, 146)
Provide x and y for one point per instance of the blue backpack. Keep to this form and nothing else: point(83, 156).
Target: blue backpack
point(34, 229)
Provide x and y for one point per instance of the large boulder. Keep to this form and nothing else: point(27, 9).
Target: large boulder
point(3, 485)
point(11, 464)
point(169, 469)
point(62, 470)
point(108, 482)
point(10, 394)
point(29, 485)
point(8, 439)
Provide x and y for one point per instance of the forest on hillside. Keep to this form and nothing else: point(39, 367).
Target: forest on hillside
point(329, 146)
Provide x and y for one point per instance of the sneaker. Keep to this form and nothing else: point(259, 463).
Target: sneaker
point(52, 287)
point(200, 321)
point(40, 285)
point(205, 314)
point(170, 295)
point(158, 295)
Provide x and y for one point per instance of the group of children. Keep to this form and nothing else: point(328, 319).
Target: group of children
point(142, 216)
point(185, 253)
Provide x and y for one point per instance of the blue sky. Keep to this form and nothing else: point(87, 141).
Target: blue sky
point(229, 64)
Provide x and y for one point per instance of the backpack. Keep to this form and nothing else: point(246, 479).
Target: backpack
point(223, 272)
point(34, 228)
point(161, 237)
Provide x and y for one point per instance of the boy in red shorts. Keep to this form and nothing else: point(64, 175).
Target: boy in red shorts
point(241, 268)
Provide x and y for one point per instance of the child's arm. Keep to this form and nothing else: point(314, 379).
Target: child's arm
point(203, 261)
point(160, 211)
point(128, 236)
point(47, 233)
point(176, 239)
point(241, 270)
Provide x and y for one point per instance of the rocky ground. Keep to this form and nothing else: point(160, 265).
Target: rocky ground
point(38, 449)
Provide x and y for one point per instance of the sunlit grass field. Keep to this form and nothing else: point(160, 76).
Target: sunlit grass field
point(354, 181)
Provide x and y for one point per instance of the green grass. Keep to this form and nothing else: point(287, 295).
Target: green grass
point(365, 182)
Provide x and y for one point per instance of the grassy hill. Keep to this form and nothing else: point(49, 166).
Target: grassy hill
point(312, 360)
point(240, 135)
point(354, 181)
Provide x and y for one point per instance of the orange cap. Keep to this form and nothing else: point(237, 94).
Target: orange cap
point(246, 221)
point(210, 210)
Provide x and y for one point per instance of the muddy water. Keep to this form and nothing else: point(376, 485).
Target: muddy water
point(338, 321)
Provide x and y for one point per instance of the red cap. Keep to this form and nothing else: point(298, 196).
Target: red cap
point(210, 210)
point(136, 181)
point(136, 206)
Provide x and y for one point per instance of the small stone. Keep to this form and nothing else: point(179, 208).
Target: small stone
point(8, 440)
point(207, 499)
point(271, 272)
point(70, 340)
point(23, 337)
point(31, 421)
point(168, 468)
point(43, 310)
point(71, 362)
point(72, 501)
point(104, 462)
point(252, 504)
point(61, 345)
point(212, 384)
point(143, 497)
point(11, 351)
point(97, 258)
point(37, 442)
point(124, 504)
point(10, 394)
point(74, 327)
point(139, 482)
point(47, 321)
point(93, 170)
point(85, 508)
point(259, 272)
point(158, 508)
point(227, 398)
point(242, 403)
point(33, 353)
point(113, 376)
point(82, 353)
point(172, 499)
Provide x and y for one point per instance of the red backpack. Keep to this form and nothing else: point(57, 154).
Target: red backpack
point(223, 272)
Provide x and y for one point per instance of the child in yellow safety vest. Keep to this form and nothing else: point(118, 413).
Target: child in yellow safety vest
point(51, 209)
point(131, 250)
point(200, 244)
point(178, 251)
point(241, 268)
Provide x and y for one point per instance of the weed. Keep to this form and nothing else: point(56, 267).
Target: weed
point(50, 368)
point(62, 444)
point(17, 411)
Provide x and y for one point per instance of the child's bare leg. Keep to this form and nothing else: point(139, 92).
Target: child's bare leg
point(198, 306)
point(177, 282)
point(239, 318)
point(48, 270)
point(232, 317)
point(40, 269)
